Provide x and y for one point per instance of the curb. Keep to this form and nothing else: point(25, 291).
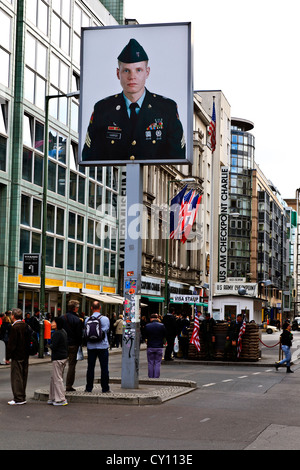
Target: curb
point(151, 392)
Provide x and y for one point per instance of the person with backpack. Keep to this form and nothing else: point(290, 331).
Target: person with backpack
point(96, 335)
point(18, 352)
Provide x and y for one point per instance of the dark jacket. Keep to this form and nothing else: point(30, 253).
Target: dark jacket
point(73, 326)
point(155, 332)
point(158, 132)
point(17, 346)
point(170, 323)
point(286, 338)
point(59, 345)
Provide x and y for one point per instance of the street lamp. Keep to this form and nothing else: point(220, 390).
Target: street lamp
point(44, 223)
point(183, 181)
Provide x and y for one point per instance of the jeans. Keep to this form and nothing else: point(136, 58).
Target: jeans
point(154, 356)
point(288, 355)
point(102, 355)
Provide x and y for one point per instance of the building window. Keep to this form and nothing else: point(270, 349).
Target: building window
point(37, 12)
point(55, 236)
point(57, 169)
point(30, 225)
point(60, 30)
point(5, 47)
point(33, 148)
point(110, 251)
point(35, 71)
point(75, 242)
point(93, 260)
point(95, 188)
point(3, 135)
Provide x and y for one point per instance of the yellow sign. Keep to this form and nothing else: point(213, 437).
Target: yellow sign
point(37, 281)
point(74, 284)
point(109, 290)
point(92, 287)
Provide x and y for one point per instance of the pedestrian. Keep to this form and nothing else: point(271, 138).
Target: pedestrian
point(135, 122)
point(47, 334)
point(18, 353)
point(208, 336)
point(286, 339)
point(169, 320)
point(98, 349)
point(73, 326)
point(232, 337)
point(59, 358)
point(34, 321)
point(155, 334)
point(4, 333)
point(119, 331)
point(183, 336)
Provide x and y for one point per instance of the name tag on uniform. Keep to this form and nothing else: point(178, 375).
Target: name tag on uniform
point(113, 132)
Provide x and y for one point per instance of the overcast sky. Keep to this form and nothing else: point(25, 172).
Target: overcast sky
point(250, 51)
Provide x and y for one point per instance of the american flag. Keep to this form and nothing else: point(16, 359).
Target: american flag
point(195, 335)
point(175, 209)
point(212, 129)
point(190, 217)
point(242, 331)
point(182, 214)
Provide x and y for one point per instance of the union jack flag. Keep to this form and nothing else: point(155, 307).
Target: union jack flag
point(212, 129)
point(195, 340)
point(241, 332)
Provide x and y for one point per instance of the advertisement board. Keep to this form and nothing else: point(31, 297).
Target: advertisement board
point(150, 65)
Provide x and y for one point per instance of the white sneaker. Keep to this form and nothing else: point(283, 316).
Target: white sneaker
point(50, 402)
point(13, 402)
point(60, 403)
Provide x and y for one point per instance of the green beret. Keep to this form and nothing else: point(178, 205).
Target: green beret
point(133, 52)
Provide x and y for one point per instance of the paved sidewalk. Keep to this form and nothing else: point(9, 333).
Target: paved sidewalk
point(150, 391)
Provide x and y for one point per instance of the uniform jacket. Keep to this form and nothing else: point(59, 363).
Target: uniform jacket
point(158, 133)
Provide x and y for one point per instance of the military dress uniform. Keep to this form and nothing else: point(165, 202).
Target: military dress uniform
point(157, 133)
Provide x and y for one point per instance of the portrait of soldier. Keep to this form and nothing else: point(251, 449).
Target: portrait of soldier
point(136, 123)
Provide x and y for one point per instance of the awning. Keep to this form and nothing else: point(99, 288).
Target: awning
point(27, 285)
point(198, 304)
point(106, 299)
point(152, 298)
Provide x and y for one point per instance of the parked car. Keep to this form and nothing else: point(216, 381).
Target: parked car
point(268, 328)
point(296, 324)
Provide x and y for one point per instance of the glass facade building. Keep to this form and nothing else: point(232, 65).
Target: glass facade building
point(241, 165)
point(40, 55)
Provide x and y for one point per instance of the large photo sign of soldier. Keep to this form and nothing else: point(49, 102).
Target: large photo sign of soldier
point(136, 95)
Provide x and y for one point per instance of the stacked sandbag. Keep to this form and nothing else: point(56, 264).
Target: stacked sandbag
point(250, 343)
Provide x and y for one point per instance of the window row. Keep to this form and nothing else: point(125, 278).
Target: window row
point(98, 261)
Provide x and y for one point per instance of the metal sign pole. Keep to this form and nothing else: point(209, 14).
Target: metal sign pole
point(132, 276)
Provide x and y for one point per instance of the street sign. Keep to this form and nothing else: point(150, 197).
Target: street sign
point(185, 298)
point(31, 264)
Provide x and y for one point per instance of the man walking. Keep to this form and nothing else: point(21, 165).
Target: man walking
point(155, 333)
point(97, 348)
point(18, 352)
point(73, 327)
